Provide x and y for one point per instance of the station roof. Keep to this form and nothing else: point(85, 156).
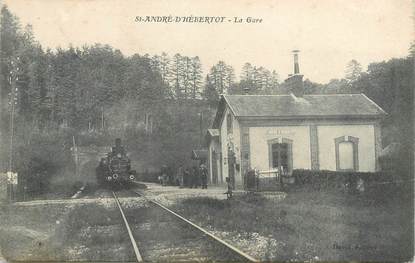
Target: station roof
point(213, 132)
point(308, 106)
point(199, 154)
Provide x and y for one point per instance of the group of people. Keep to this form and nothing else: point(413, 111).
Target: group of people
point(191, 177)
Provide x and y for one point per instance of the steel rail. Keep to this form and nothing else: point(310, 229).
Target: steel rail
point(226, 244)
point(79, 192)
point(130, 234)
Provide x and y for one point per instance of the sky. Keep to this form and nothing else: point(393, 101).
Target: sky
point(328, 33)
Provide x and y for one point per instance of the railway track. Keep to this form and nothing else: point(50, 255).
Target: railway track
point(159, 234)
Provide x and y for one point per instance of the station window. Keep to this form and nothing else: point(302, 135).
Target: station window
point(280, 155)
point(347, 153)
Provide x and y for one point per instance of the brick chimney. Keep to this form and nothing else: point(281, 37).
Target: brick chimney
point(294, 81)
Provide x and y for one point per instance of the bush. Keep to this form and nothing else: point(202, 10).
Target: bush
point(44, 156)
point(377, 186)
point(204, 201)
point(373, 182)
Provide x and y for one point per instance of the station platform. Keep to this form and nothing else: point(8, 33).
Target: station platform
point(154, 190)
point(171, 194)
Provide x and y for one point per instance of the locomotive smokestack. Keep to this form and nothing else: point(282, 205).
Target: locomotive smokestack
point(296, 65)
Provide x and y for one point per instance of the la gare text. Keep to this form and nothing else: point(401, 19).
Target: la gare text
point(197, 19)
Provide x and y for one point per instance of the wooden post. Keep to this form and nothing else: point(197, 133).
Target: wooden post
point(146, 123)
point(102, 118)
point(75, 151)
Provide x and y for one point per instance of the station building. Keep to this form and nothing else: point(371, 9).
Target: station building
point(338, 132)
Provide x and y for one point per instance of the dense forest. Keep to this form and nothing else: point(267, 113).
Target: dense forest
point(160, 104)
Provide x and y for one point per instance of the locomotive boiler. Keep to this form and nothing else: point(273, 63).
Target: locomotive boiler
point(115, 168)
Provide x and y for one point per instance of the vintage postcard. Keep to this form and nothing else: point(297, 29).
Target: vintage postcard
point(223, 130)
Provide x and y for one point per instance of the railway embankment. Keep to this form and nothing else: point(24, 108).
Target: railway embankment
point(299, 226)
point(86, 227)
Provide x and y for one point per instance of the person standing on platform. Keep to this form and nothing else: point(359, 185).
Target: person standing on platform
point(180, 175)
point(229, 190)
point(164, 177)
point(192, 177)
point(170, 179)
point(196, 177)
point(186, 177)
point(204, 175)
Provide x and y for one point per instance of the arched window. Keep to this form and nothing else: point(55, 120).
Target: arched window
point(347, 158)
point(229, 124)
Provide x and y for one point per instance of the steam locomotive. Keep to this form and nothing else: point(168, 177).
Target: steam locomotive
point(115, 169)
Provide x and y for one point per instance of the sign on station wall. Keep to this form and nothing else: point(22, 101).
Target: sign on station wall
point(12, 178)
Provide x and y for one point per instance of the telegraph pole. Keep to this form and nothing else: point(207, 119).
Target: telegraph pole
point(12, 108)
point(13, 102)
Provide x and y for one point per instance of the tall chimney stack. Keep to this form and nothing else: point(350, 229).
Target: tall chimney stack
point(296, 65)
point(294, 82)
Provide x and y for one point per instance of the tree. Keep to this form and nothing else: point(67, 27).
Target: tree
point(230, 77)
point(210, 92)
point(390, 85)
point(9, 43)
point(274, 82)
point(187, 78)
point(218, 76)
point(412, 50)
point(353, 71)
point(312, 87)
point(66, 90)
point(247, 72)
point(222, 77)
point(50, 79)
point(337, 86)
point(258, 80)
point(164, 69)
point(177, 72)
point(196, 77)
